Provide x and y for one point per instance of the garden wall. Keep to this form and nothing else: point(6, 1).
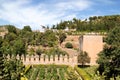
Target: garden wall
point(45, 59)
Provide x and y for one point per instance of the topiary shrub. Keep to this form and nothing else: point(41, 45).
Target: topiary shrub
point(68, 45)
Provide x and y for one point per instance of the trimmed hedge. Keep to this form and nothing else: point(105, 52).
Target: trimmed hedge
point(53, 65)
point(82, 73)
point(68, 45)
point(27, 68)
point(23, 78)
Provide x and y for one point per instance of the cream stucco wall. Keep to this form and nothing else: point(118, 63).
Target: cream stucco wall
point(92, 44)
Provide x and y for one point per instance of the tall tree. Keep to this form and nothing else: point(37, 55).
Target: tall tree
point(83, 58)
point(11, 28)
point(62, 37)
point(48, 38)
point(27, 28)
point(109, 58)
point(10, 37)
point(19, 47)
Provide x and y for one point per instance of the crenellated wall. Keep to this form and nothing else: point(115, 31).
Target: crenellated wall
point(45, 59)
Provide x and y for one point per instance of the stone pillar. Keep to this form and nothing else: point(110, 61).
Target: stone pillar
point(46, 59)
point(75, 60)
point(60, 59)
point(27, 61)
point(66, 59)
point(18, 57)
point(70, 61)
point(51, 59)
point(42, 59)
point(8, 56)
point(36, 59)
point(22, 58)
point(32, 59)
point(56, 59)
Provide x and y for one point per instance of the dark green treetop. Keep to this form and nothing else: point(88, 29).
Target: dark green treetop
point(109, 58)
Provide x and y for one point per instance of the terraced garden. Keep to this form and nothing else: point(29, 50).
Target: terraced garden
point(52, 72)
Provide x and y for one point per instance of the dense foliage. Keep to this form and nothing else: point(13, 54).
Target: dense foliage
point(48, 38)
point(55, 51)
point(93, 24)
point(27, 28)
point(1, 61)
point(10, 69)
point(16, 41)
point(109, 58)
point(91, 73)
point(13, 69)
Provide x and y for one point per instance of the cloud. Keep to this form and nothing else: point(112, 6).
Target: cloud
point(24, 12)
point(77, 5)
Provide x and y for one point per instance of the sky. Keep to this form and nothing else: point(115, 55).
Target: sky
point(48, 12)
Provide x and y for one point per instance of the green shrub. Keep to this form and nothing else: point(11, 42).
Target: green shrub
point(39, 51)
point(82, 73)
point(68, 45)
point(27, 68)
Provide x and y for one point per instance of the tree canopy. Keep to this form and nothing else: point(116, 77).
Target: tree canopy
point(109, 58)
point(92, 24)
point(11, 28)
point(83, 58)
point(62, 37)
point(1, 61)
point(27, 28)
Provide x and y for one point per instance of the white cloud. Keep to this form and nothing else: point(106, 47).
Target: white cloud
point(74, 5)
point(22, 12)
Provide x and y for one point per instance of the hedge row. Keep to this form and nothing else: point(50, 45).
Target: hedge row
point(23, 77)
point(27, 68)
point(82, 73)
point(49, 65)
